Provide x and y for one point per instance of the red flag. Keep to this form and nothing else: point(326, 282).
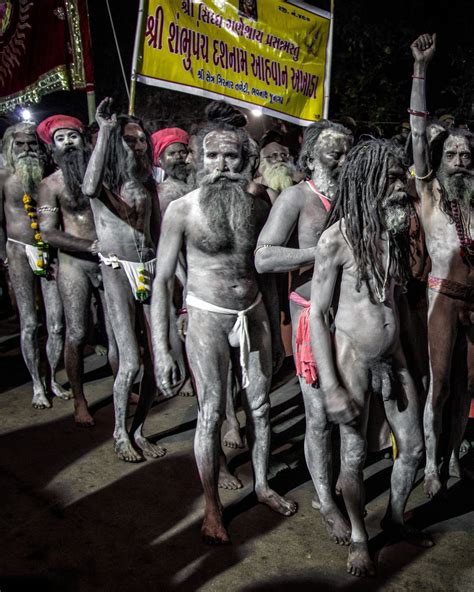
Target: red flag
point(45, 46)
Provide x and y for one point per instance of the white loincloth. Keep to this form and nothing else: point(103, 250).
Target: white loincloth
point(131, 271)
point(32, 253)
point(241, 327)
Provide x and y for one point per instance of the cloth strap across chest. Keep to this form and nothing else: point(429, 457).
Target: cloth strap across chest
point(325, 201)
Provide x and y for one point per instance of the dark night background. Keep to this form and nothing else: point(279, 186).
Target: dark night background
point(372, 64)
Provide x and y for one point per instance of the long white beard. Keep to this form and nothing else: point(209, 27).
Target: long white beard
point(30, 171)
point(279, 177)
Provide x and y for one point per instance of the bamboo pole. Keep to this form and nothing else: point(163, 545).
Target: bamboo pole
point(136, 57)
point(327, 81)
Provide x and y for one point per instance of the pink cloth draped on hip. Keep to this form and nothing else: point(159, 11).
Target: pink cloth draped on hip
point(304, 359)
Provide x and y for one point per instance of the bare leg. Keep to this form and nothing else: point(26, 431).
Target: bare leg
point(460, 398)
point(403, 415)
point(121, 309)
point(354, 375)
point(442, 330)
point(147, 394)
point(112, 351)
point(75, 290)
point(232, 438)
point(208, 353)
point(318, 453)
point(257, 405)
point(24, 284)
point(55, 326)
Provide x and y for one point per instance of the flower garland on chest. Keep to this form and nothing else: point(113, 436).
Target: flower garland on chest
point(43, 248)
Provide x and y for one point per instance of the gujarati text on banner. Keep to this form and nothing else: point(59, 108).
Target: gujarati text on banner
point(266, 53)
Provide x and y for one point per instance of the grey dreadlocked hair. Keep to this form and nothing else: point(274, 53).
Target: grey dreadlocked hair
point(363, 183)
point(310, 137)
point(117, 154)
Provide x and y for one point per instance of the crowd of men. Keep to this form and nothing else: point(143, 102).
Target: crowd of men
point(193, 245)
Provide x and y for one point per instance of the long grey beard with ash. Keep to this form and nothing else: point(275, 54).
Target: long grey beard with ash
point(30, 170)
point(394, 213)
point(177, 170)
point(172, 189)
point(229, 212)
point(279, 176)
point(73, 164)
point(458, 187)
point(137, 167)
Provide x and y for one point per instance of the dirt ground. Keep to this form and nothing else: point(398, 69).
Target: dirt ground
point(76, 518)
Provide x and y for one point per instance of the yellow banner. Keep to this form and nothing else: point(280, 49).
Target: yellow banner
point(256, 53)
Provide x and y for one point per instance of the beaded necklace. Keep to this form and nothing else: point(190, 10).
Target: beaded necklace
point(464, 234)
point(43, 248)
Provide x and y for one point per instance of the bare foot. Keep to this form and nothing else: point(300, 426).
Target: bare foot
point(226, 479)
point(338, 528)
point(82, 417)
point(455, 467)
point(60, 392)
point(232, 438)
point(432, 484)
point(408, 533)
point(465, 447)
point(133, 399)
point(100, 350)
point(359, 562)
point(213, 531)
point(315, 503)
point(40, 400)
point(458, 471)
point(275, 467)
point(149, 450)
point(125, 451)
point(277, 503)
point(187, 389)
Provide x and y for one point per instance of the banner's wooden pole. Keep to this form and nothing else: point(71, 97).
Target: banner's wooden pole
point(327, 81)
point(136, 57)
point(91, 105)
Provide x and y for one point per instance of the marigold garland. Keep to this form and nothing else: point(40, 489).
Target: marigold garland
point(43, 248)
point(143, 291)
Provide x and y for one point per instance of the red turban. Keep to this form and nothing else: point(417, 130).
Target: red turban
point(48, 126)
point(163, 138)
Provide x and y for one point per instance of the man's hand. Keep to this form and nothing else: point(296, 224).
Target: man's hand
point(167, 374)
point(423, 48)
point(340, 408)
point(182, 325)
point(104, 116)
point(94, 248)
point(3, 262)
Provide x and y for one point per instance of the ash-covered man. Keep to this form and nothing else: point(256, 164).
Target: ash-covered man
point(445, 184)
point(277, 170)
point(298, 216)
point(28, 255)
point(218, 224)
point(363, 256)
point(125, 206)
point(170, 151)
point(67, 223)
